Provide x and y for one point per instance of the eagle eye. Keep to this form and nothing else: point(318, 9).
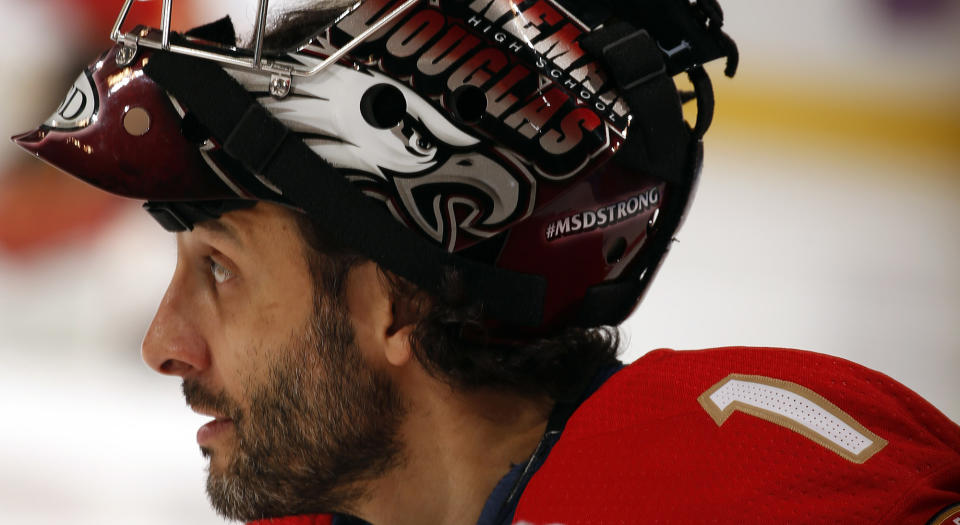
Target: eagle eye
point(420, 145)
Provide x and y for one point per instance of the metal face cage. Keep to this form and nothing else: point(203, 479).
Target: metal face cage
point(256, 63)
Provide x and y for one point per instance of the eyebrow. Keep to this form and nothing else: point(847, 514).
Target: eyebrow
point(220, 229)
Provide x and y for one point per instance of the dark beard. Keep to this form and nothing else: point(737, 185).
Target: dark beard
point(320, 421)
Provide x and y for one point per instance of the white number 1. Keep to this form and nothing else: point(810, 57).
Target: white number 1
point(794, 407)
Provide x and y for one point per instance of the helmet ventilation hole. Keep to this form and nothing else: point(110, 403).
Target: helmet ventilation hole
point(468, 104)
point(383, 106)
point(136, 121)
point(616, 250)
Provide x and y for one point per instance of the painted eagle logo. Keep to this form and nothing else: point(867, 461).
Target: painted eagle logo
point(430, 173)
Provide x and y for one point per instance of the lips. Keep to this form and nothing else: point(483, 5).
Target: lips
point(214, 429)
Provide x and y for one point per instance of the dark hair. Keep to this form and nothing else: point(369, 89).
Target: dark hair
point(451, 340)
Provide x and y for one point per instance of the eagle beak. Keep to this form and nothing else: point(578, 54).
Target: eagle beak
point(485, 184)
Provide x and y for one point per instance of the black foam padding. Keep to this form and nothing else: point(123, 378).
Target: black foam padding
point(182, 216)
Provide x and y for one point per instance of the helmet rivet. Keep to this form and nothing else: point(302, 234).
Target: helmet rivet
point(125, 54)
point(136, 121)
point(279, 86)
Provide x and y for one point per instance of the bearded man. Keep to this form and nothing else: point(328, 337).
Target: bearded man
point(406, 232)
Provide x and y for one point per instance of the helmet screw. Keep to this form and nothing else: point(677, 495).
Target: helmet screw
point(136, 121)
point(279, 86)
point(125, 54)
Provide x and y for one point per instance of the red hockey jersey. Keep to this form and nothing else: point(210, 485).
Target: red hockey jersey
point(743, 436)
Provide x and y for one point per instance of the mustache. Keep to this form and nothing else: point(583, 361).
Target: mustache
point(199, 397)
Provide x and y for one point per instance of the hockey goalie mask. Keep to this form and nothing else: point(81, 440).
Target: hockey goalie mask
point(535, 147)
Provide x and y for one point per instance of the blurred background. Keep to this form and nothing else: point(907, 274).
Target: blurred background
point(828, 218)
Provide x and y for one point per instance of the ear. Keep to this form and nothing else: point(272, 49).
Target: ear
point(397, 338)
point(408, 305)
point(382, 326)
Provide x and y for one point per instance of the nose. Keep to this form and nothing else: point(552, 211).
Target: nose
point(173, 344)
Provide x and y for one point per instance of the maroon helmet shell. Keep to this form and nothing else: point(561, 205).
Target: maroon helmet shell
point(483, 126)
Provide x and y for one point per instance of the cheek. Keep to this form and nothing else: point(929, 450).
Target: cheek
point(271, 349)
point(256, 328)
point(243, 356)
point(275, 307)
point(240, 368)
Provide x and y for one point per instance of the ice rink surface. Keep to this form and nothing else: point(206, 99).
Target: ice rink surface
point(797, 238)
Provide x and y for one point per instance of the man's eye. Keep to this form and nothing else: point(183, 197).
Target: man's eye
point(220, 272)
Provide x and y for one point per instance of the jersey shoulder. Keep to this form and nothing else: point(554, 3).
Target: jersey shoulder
point(791, 431)
point(751, 380)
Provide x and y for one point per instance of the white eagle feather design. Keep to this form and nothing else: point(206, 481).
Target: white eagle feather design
point(426, 164)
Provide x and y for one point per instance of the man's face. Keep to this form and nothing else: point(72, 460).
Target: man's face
point(263, 347)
